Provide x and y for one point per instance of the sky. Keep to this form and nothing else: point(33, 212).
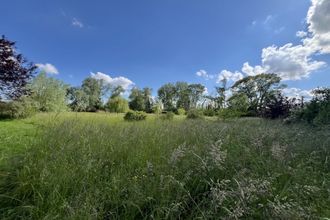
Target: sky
point(153, 42)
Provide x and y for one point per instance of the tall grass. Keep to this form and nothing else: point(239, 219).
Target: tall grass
point(97, 169)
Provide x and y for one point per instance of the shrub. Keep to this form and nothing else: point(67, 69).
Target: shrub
point(194, 114)
point(157, 108)
point(21, 108)
point(227, 113)
point(317, 111)
point(135, 116)
point(209, 112)
point(117, 105)
point(167, 116)
point(181, 111)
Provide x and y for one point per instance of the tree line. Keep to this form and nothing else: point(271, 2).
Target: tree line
point(259, 95)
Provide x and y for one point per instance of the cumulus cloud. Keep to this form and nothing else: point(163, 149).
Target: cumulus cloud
point(116, 81)
point(47, 68)
point(204, 75)
point(229, 76)
point(295, 62)
point(75, 22)
point(290, 62)
point(318, 20)
point(297, 93)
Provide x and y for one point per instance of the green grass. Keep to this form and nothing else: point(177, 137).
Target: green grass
point(97, 166)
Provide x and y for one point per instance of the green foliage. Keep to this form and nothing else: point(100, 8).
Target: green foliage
point(93, 89)
point(210, 112)
point(141, 100)
point(167, 116)
point(135, 116)
point(167, 95)
point(190, 169)
point(256, 89)
point(195, 114)
point(48, 93)
point(227, 113)
point(79, 100)
point(117, 104)
point(15, 71)
point(317, 111)
point(180, 95)
point(181, 111)
point(21, 108)
point(157, 108)
point(239, 102)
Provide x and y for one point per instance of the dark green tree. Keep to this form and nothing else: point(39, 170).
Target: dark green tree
point(15, 71)
point(257, 88)
point(137, 101)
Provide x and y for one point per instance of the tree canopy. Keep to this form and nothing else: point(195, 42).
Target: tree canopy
point(15, 71)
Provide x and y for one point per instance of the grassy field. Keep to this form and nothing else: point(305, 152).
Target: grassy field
point(96, 166)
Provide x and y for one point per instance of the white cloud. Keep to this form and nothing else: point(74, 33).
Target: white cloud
point(294, 62)
point(229, 76)
point(75, 22)
point(47, 68)
point(204, 75)
point(301, 34)
point(252, 71)
point(116, 81)
point(297, 93)
point(290, 62)
point(318, 20)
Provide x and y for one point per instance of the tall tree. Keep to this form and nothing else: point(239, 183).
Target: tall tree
point(182, 95)
point(167, 95)
point(220, 99)
point(78, 99)
point(148, 102)
point(93, 89)
point(195, 94)
point(15, 71)
point(257, 88)
point(137, 102)
point(117, 91)
point(48, 93)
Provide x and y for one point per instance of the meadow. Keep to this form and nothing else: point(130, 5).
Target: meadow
point(98, 166)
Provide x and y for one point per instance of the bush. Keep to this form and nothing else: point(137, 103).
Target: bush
point(117, 105)
point(22, 108)
point(167, 116)
point(157, 108)
point(209, 112)
point(181, 111)
point(317, 111)
point(135, 116)
point(230, 113)
point(194, 114)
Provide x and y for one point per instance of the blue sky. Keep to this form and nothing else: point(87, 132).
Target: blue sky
point(152, 42)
